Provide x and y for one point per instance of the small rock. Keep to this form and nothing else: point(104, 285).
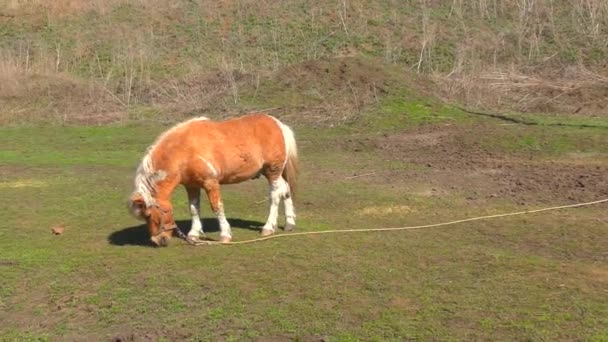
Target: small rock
point(58, 229)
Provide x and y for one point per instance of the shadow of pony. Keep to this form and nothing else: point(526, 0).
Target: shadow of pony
point(139, 236)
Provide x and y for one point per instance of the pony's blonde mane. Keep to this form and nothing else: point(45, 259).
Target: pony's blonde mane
point(146, 176)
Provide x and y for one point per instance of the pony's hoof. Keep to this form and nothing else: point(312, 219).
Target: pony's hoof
point(289, 227)
point(225, 239)
point(194, 238)
point(267, 232)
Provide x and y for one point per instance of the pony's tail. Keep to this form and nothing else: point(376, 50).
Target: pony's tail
point(290, 172)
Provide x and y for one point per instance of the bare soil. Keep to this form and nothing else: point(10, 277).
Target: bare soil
point(330, 91)
point(335, 74)
point(454, 159)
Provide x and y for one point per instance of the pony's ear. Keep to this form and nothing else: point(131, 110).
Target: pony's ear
point(137, 206)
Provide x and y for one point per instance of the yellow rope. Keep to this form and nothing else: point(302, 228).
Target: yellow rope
point(399, 228)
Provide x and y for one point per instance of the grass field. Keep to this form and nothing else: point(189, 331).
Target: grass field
point(406, 113)
point(538, 277)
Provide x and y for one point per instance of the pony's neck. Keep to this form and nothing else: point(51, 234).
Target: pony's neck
point(164, 189)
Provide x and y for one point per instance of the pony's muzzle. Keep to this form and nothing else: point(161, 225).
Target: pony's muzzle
point(160, 240)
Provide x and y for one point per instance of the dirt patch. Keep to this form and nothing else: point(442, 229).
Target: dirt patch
point(330, 91)
point(7, 262)
point(334, 74)
point(404, 304)
point(150, 335)
point(287, 338)
point(598, 274)
point(454, 159)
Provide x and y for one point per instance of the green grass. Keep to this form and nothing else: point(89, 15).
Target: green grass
point(548, 119)
point(542, 277)
point(402, 110)
point(88, 146)
point(548, 142)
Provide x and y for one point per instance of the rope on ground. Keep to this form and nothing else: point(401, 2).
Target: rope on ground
point(207, 242)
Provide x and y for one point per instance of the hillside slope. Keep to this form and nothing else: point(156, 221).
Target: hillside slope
point(113, 60)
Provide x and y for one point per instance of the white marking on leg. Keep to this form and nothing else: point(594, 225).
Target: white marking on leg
point(196, 229)
point(277, 190)
point(225, 230)
point(210, 166)
point(290, 214)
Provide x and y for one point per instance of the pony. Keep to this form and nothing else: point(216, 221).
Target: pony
point(204, 154)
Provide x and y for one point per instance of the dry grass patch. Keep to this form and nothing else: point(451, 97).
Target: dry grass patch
point(574, 90)
point(386, 210)
point(24, 183)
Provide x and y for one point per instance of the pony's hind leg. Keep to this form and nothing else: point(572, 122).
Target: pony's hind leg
point(212, 187)
point(278, 190)
point(194, 201)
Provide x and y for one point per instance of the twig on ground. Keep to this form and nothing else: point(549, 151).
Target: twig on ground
point(363, 175)
point(266, 109)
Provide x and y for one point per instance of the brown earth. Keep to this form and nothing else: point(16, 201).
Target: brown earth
point(335, 74)
point(450, 159)
point(329, 91)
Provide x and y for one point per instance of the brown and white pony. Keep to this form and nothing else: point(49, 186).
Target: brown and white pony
point(200, 153)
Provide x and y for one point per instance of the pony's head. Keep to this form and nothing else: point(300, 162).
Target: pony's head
point(158, 216)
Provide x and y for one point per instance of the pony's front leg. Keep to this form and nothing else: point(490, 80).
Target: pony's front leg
point(215, 200)
point(278, 189)
point(194, 200)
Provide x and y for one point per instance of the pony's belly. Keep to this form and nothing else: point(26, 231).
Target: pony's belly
point(241, 176)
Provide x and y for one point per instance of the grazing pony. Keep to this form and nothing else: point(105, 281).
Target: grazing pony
point(200, 153)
